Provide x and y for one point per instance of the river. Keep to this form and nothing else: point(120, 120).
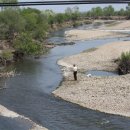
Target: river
point(29, 93)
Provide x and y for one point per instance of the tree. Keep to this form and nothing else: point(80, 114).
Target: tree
point(75, 14)
point(30, 21)
point(36, 23)
point(95, 12)
point(128, 10)
point(108, 11)
point(50, 16)
point(48, 12)
point(59, 18)
point(11, 24)
point(121, 12)
point(99, 11)
point(25, 43)
point(76, 9)
point(68, 13)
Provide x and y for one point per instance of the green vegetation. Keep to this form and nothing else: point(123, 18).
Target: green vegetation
point(25, 43)
point(7, 55)
point(124, 63)
point(107, 12)
point(25, 29)
point(76, 24)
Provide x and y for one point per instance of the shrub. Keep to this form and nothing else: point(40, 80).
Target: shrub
point(25, 44)
point(76, 24)
point(124, 63)
point(7, 55)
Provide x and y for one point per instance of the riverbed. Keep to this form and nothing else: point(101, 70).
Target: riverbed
point(30, 93)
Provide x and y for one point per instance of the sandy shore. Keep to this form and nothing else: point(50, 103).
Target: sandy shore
point(106, 94)
point(102, 32)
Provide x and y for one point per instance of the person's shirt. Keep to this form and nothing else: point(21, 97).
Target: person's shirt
point(75, 68)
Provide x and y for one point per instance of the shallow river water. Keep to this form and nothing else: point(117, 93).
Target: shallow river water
point(29, 94)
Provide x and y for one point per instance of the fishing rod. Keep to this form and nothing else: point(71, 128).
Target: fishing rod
point(64, 2)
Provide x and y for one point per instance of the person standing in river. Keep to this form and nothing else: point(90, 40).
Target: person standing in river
point(75, 72)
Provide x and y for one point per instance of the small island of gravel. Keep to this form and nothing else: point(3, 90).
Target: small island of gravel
point(105, 94)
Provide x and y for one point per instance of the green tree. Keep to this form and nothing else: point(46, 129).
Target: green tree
point(75, 14)
point(25, 43)
point(59, 18)
point(99, 11)
point(95, 12)
point(108, 11)
point(50, 16)
point(128, 10)
point(11, 24)
point(36, 23)
point(68, 13)
point(121, 12)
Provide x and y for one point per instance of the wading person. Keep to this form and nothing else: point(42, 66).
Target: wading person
point(75, 71)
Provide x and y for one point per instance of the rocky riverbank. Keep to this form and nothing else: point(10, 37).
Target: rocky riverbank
point(106, 94)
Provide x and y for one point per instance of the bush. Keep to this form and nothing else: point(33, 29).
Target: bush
point(124, 63)
point(7, 55)
point(25, 44)
point(76, 24)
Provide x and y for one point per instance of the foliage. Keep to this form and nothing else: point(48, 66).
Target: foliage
point(76, 24)
point(12, 21)
point(121, 12)
point(95, 12)
point(36, 24)
point(7, 55)
point(24, 43)
point(59, 18)
point(108, 11)
point(124, 63)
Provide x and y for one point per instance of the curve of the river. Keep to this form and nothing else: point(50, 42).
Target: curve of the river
point(29, 94)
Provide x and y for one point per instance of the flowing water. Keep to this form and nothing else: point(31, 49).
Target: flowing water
point(29, 94)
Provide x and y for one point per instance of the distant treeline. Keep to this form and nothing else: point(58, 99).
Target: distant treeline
point(108, 11)
point(25, 29)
